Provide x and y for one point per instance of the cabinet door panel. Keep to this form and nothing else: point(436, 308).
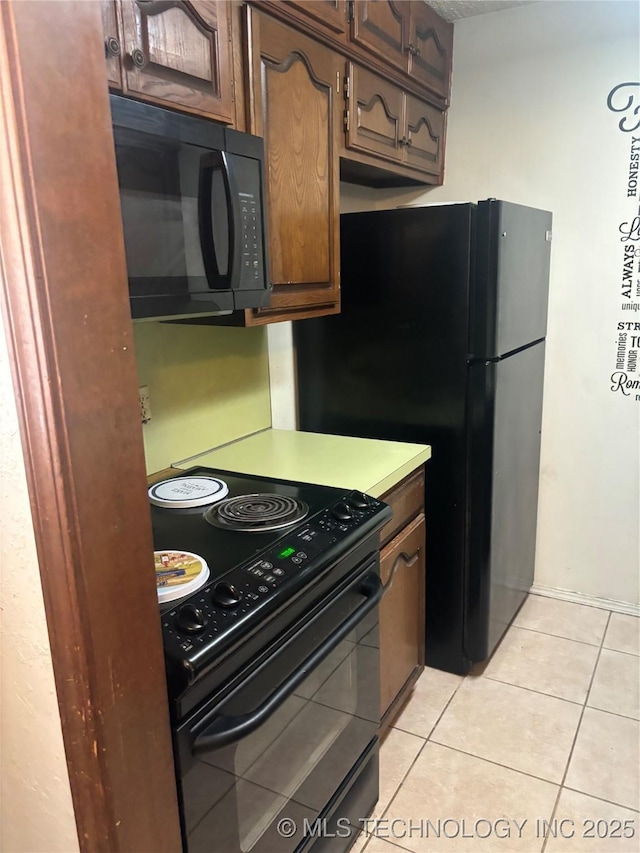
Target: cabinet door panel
point(297, 110)
point(381, 27)
point(402, 626)
point(375, 114)
point(430, 49)
point(332, 14)
point(178, 53)
point(425, 133)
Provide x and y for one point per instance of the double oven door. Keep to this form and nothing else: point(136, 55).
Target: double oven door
point(286, 759)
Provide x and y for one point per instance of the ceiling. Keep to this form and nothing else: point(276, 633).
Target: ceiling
point(451, 10)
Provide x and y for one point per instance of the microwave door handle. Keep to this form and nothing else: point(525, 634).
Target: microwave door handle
point(217, 232)
point(226, 730)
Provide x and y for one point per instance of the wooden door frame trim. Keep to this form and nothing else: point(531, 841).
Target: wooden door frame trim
point(65, 306)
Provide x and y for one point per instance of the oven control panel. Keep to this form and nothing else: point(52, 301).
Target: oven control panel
point(205, 622)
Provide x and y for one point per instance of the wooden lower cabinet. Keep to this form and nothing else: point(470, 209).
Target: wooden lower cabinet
point(402, 609)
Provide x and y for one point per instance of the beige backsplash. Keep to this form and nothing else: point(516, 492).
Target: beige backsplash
point(208, 385)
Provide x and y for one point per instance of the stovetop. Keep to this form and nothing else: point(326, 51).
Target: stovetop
point(253, 575)
point(188, 530)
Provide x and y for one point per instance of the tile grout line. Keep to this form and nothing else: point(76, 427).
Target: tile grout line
point(614, 714)
point(393, 844)
point(575, 737)
point(599, 644)
point(560, 785)
point(532, 690)
point(620, 652)
point(555, 696)
point(601, 799)
point(410, 768)
point(557, 636)
point(494, 763)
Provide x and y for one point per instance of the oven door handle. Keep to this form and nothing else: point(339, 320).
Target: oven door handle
point(225, 730)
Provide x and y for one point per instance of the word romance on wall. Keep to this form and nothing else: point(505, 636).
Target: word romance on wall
point(624, 99)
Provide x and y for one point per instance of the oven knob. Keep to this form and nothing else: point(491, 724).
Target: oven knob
point(190, 620)
point(359, 500)
point(342, 512)
point(226, 595)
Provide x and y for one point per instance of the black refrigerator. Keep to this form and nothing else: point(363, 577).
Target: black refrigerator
point(441, 341)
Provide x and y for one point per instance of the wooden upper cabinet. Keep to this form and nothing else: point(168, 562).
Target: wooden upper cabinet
point(424, 136)
point(409, 36)
point(389, 124)
point(331, 14)
point(375, 114)
point(430, 49)
point(295, 92)
point(178, 54)
point(382, 27)
point(112, 42)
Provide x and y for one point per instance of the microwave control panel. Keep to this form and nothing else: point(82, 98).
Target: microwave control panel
point(249, 187)
point(251, 237)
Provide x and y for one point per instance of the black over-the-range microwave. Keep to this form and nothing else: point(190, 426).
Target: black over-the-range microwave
point(192, 199)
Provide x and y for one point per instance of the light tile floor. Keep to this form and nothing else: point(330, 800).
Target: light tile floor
point(548, 730)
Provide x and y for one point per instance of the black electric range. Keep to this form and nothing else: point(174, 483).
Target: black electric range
point(273, 664)
point(255, 576)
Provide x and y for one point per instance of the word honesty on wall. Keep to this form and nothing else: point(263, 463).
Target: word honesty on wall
point(625, 379)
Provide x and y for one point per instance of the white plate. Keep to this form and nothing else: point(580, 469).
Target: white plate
point(185, 492)
point(182, 573)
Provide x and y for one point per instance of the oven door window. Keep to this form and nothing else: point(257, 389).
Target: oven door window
point(295, 762)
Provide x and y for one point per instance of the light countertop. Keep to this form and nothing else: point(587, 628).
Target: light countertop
point(369, 465)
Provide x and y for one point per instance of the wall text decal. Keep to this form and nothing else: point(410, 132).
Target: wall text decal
point(620, 100)
point(624, 378)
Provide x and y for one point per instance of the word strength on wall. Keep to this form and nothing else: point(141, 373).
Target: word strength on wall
point(624, 379)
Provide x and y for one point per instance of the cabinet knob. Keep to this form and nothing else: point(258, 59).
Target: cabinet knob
point(412, 49)
point(404, 142)
point(112, 46)
point(138, 58)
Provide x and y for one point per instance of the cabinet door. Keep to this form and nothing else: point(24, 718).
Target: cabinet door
point(375, 114)
point(296, 105)
point(382, 28)
point(178, 54)
point(402, 609)
point(332, 14)
point(430, 49)
point(112, 43)
point(424, 129)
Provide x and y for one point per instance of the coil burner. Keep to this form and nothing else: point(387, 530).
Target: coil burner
point(257, 513)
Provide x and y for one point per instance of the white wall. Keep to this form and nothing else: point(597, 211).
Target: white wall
point(529, 123)
point(36, 813)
